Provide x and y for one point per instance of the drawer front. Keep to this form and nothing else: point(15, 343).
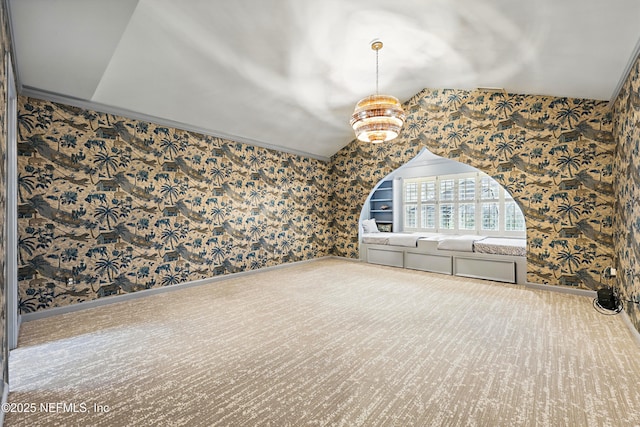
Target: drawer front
point(501, 271)
point(385, 257)
point(428, 262)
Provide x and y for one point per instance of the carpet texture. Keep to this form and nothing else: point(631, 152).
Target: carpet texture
point(331, 343)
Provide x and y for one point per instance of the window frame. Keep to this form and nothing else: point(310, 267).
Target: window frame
point(502, 199)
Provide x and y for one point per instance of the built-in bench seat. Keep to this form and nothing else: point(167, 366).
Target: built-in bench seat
point(492, 258)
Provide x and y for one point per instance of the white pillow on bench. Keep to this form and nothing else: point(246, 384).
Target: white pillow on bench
point(369, 226)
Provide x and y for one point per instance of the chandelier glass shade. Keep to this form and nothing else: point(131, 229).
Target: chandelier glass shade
point(377, 118)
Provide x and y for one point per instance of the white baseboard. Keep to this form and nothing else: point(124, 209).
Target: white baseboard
point(563, 289)
point(632, 329)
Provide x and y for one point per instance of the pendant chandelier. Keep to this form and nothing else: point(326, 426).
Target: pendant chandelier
point(377, 118)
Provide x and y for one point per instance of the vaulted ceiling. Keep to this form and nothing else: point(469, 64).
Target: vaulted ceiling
point(286, 74)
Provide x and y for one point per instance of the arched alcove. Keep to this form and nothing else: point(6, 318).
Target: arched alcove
point(479, 206)
point(425, 164)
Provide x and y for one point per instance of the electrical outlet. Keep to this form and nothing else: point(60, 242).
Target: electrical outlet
point(613, 272)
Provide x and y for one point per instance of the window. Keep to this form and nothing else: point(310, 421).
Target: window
point(447, 212)
point(490, 189)
point(446, 189)
point(467, 188)
point(428, 216)
point(468, 203)
point(490, 217)
point(410, 216)
point(467, 216)
point(411, 204)
point(513, 218)
point(411, 192)
point(429, 191)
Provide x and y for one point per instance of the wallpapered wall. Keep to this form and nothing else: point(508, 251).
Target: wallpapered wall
point(627, 188)
point(4, 48)
point(120, 205)
point(553, 154)
point(109, 205)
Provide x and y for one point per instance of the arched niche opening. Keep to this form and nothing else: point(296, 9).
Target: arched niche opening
point(432, 195)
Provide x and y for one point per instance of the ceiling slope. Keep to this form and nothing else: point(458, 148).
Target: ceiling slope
point(286, 74)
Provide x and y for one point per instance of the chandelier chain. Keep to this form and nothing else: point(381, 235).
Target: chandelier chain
point(377, 50)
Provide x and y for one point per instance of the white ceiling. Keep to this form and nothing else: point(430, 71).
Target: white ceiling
point(287, 73)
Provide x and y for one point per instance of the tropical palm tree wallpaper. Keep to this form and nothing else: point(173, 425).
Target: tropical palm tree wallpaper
point(554, 155)
point(627, 189)
point(109, 205)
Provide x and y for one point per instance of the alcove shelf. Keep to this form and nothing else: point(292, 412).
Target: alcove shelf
point(381, 205)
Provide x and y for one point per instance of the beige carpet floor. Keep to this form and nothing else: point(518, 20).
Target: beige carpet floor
point(331, 343)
